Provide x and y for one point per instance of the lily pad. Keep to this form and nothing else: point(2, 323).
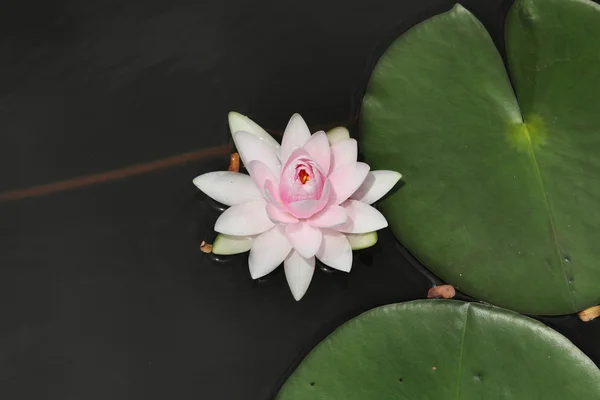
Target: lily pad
point(443, 349)
point(501, 196)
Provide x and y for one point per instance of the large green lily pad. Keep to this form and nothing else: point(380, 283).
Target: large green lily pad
point(502, 196)
point(432, 350)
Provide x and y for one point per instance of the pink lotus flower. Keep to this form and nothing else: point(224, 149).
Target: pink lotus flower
point(307, 198)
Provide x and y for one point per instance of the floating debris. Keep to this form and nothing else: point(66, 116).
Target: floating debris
point(205, 247)
point(441, 292)
point(589, 314)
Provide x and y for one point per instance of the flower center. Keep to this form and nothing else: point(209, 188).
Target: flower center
point(303, 175)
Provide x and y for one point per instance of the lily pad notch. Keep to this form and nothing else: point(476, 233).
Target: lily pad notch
point(502, 186)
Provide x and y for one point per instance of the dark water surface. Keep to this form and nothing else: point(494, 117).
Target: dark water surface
point(104, 293)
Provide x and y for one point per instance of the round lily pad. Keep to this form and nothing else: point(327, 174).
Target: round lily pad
point(502, 190)
point(443, 349)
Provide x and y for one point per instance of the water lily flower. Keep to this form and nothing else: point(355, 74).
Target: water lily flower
point(304, 199)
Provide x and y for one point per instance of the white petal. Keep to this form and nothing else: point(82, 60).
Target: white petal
point(229, 188)
point(376, 185)
point(259, 171)
point(225, 245)
point(268, 252)
point(251, 148)
point(295, 136)
point(298, 272)
point(335, 251)
point(304, 238)
point(239, 122)
point(359, 241)
point(244, 219)
point(362, 218)
point(329, 217)
point(343, 153)
point(337, 134)
point(345, 180)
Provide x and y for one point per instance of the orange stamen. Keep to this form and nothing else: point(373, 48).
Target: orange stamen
point(304, 177)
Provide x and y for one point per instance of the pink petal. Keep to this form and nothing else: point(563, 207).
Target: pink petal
point(278, 216)
point(298, 272)
point(345, 180)
point(303, 208)
point(343, 153)
point(260, 173)
point(268, 252)
point(295, 136)
point(229, 188)
point(335, 251)
point(244, 219)
point(307, 208)
point(318, 148)
point(304, 238)
point(252, 148)
point(294, 155)
point(272, 193)
point(376, 185)
point(362, 218)
point(329, 217)
point(291, 188)
point(310, 197)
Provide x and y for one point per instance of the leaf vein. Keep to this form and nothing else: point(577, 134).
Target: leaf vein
point(460, 357)
point(550, 216)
